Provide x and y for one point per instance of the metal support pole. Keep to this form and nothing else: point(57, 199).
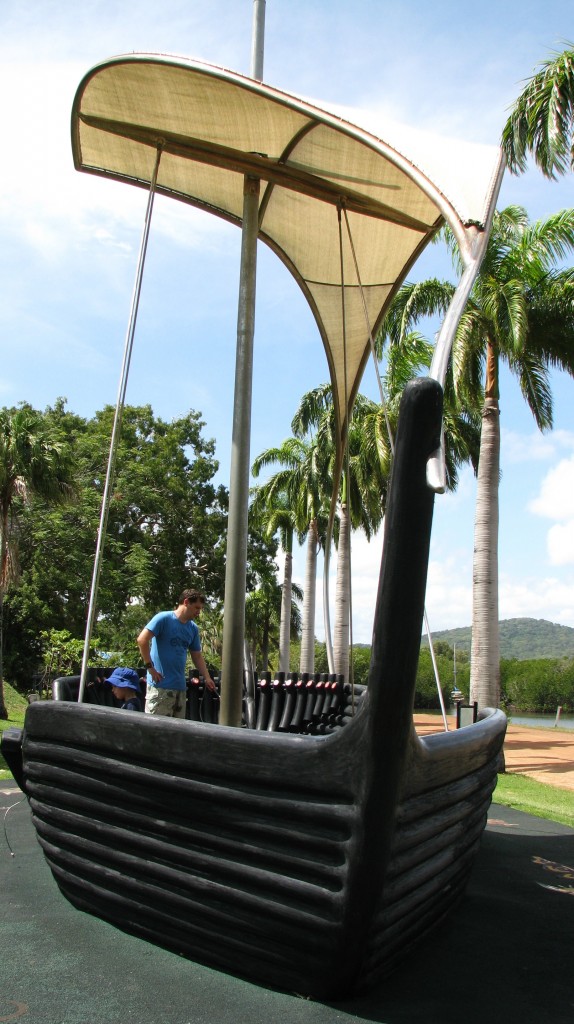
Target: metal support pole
point(232, 655)
point(236, 564)
point(257, 38)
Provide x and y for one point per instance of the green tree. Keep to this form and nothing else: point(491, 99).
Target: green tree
point(166, 530)
point(521, 311)
point(542, 119)
point(62, 653)
point(166, 524)
point(34, 463)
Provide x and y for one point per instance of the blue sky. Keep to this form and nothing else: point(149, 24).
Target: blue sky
point(69, 245)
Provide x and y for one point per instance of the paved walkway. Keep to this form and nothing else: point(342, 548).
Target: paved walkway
point(547, 755)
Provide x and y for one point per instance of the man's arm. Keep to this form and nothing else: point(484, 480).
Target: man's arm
point(144, 640)
point(199, 662)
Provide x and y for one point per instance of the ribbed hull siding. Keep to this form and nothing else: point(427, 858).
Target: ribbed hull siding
point(436, 839)
point(228, 872)
point(246, 852)
point(306, 862)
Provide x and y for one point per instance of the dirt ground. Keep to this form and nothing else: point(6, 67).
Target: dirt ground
point(546, 755)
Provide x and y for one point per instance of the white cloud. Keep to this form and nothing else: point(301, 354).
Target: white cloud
point(366, 562)
point(517, 448)
point(560, 543)
point(47, 204)
point(449, 594)
point(549, 598)
point(448, 598)
point(556, 497)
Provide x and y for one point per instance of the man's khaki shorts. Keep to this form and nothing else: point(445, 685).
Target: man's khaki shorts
point(165, 702)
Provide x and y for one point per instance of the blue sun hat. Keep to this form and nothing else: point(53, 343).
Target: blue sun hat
point(125, 677)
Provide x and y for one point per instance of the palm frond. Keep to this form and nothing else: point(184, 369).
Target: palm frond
point(546, 241)
point(533, 377)
point(541, 121)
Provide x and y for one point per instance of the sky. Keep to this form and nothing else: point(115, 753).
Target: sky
point(70, 243)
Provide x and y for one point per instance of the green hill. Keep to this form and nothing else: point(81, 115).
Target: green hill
point(519, 638)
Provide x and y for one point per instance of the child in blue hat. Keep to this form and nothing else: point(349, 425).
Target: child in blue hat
point(125, 685)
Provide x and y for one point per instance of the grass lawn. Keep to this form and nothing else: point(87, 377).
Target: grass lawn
point(525, 794)
point(16, 706)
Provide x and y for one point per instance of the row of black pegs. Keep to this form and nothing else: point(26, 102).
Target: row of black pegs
point(291, 702)
point(202, 704)
point(298, 703)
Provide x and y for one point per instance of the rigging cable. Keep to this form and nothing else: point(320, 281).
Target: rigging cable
point(116, 430)
point(347, 459)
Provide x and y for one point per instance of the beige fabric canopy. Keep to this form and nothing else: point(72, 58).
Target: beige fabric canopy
point(216, 126)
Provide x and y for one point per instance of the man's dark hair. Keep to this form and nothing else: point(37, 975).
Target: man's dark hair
point(191, 595)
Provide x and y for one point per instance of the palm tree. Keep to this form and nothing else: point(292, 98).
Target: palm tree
point(299, 486)
point(361, 491)
point(262, 615)
point(406, 354)
point(521, 310)
point(542, 119)
point(33, 463)
point(271, 510)
point(261, 619)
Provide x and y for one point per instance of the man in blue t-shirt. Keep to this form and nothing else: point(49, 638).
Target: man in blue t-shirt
point(163, 645)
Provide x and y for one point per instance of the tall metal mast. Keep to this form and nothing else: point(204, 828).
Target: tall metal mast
point(236, 566)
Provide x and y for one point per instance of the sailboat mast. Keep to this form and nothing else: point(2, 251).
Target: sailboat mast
point(236, 564)
point(257, 40)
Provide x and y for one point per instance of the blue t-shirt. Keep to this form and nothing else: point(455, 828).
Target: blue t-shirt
point(172, 640)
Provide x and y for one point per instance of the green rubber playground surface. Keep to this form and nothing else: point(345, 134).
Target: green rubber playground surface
point(504, 956)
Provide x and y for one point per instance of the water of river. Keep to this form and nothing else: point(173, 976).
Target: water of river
point(542, 721)
point(520, 718)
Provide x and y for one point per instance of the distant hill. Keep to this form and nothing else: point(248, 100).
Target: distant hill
point(519, 638)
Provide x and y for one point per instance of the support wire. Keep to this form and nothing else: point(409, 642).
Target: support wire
point(116, 430)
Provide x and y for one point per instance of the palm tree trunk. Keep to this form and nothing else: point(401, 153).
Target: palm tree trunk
point(285, 624)
point(485, 652)
point(342, 597)
point(307, 659)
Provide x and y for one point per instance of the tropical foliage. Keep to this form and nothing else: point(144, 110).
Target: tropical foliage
point(263, 618)
point(521, 311)
point(297, 486)
point(542, 119)
point(271, 511)
point(303, 486)
point(519, 639)
point(304, 482)
point(35, 466)
point(166, 531)
point(539, 685)
point(361, 490)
